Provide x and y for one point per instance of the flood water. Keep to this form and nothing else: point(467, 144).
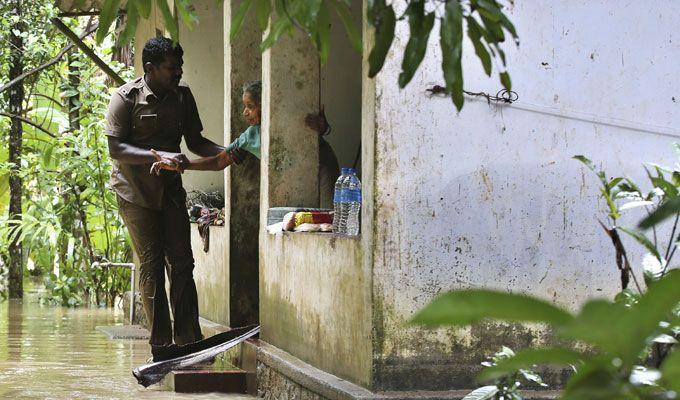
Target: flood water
point(49, 352)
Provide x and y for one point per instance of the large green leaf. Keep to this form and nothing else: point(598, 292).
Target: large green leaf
point(350, 26)
point(238, 18)
point(670, 370)
point(107, 15)
point(451, 43)
point(643, 240)
point(505, 80)
point(666, 210)
point(464, 307)
point(278, 28)
point(494, 28)
point(624, 331)
point(169, 19)
point(264, 10)
point(188, 16)
point(595, 380)
point(475, 37)
point(323, 33)
point(131, 21)
point(655, 306)
point(383, 19)
point(668, 188)
point(306, 12)
point(600, 323)
point(492, 10)
point(143, 7)
point(526, 359)
point(420, 25)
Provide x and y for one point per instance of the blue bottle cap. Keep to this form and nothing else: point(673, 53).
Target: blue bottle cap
point(351, 170)
point(344, 170)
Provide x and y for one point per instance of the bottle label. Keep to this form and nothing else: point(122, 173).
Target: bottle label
point(342, 195)
point(353, 195)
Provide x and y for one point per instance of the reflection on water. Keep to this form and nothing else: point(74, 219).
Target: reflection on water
point(55, 353)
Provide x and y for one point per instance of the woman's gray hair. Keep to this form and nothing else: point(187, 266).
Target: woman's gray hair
point(254, 89)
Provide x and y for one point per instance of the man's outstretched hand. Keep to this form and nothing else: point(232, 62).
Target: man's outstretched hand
point(168, 161)
point(317, 122)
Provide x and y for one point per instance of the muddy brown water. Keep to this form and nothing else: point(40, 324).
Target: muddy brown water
point(49, 352)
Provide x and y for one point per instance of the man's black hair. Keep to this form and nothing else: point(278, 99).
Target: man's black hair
point(157, 48)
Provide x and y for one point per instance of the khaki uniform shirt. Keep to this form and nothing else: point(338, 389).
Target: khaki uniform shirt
point(138, 117)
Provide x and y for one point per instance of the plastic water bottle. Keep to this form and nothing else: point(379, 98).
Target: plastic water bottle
point(337, 200)
point(353, 203)
point(344, 206)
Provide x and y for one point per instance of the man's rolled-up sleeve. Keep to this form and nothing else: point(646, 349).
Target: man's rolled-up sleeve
point(118, 117)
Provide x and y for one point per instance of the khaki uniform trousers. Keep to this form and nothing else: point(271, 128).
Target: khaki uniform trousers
point(162, 239)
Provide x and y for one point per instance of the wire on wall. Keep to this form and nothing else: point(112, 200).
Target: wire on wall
point(503, 95)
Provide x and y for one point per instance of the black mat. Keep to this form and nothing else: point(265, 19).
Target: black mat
point(177, 357)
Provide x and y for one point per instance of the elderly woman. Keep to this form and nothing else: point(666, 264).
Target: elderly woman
point(249, 141)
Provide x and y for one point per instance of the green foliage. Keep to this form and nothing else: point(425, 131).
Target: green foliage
point(528, 358)
point(64, 290)
point(617, 337)
point(506, 383)
point(383, 19)
point(622, 194)
point(486, 23)
point(625, 349)
point(485, 304)
point(69, 216)
point(108, 14)
point(668, 209)
point(420, 25)
point(451, 37)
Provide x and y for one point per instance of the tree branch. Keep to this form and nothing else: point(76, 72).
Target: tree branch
point(57, 102)
point(88, 51)
point(28, 121)
point(48, 64)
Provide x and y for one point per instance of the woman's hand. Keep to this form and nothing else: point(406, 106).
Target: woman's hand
point(168, 161)
point(318, 122)
point(225, 159)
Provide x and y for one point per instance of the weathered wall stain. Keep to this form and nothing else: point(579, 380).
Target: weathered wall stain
point(314, 302)
point(490, 197)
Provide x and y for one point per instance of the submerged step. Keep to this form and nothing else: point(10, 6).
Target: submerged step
point(201, 381)
point(129, 332)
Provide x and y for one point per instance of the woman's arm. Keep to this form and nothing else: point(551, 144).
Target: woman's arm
point(214, 163)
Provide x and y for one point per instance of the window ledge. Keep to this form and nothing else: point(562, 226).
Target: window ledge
point(329, 235)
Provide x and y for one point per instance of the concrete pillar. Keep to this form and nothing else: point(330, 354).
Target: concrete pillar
point(242, 63)
point(204, 72)
point(290, 150)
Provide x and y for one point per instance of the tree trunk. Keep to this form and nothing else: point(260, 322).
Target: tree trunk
point(73, 101)
point(16, 98)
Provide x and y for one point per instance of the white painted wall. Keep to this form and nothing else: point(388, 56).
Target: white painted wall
point(204, 72)
point(491, 197)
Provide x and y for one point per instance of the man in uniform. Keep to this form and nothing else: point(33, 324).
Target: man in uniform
point(154, 112)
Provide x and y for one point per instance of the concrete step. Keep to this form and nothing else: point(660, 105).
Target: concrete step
point(205, 381)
